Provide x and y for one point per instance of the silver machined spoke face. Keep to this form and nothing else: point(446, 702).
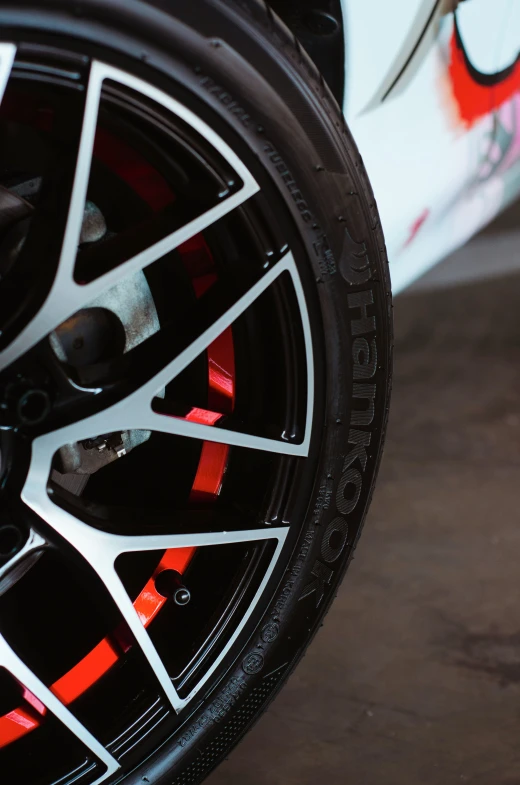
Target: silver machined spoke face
point(280, 534)
point(34, 546)
point(7, 54)
point(66, 297)
point(135, 411)
point(19, 670)
point(101, 549)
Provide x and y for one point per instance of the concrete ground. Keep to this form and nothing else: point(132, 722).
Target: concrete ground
point(415, 677)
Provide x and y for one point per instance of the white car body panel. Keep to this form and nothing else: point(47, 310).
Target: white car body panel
point(440, 166)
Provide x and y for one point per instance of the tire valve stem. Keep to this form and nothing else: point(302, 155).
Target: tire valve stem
point(169, 584)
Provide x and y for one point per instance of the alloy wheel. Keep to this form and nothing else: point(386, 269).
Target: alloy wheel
point(158, 382)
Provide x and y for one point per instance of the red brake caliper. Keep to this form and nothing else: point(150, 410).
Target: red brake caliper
point(198, 261)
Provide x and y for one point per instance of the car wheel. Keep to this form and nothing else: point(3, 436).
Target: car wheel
point(195, 357)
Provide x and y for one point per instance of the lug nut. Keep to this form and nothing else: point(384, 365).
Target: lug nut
point(12, 540)
point(33, 406)
point(23, 403)
point(169, 584)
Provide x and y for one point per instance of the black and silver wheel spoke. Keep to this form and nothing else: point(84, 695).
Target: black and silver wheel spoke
point(24, 675)
point(136, 410)
point(66, 295)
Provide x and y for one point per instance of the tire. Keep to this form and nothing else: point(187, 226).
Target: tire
point(251, 81)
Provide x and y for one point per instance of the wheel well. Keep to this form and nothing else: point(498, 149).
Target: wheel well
point(318, 25)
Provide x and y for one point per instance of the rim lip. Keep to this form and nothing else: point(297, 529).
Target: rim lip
point(310, 432)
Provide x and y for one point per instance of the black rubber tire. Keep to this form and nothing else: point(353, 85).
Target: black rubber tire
point(240, 59)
